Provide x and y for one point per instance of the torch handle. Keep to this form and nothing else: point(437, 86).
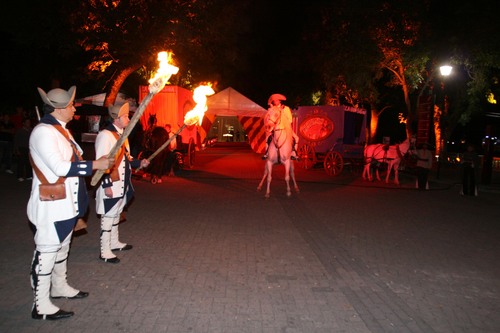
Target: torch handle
point(137, 115)
point(164, 145)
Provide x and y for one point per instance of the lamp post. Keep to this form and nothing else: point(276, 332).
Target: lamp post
point(440, 108)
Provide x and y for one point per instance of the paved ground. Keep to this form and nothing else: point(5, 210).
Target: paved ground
point(211, 254)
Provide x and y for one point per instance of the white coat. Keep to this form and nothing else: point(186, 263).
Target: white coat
point(122, 188)
point(52, 154)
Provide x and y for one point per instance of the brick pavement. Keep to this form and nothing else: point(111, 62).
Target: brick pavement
point(212, 255)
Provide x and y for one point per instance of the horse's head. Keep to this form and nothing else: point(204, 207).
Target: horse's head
point(405, 146)
point(269, 126)
point(272, 118)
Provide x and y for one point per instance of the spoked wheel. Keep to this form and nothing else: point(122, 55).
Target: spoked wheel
point(190, 154)
point(334, 163)
point(307, 156)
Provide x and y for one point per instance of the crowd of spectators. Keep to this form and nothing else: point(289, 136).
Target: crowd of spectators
point(15, 130)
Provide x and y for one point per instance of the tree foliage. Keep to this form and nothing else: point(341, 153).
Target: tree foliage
point(375, 47)
point(121, 37)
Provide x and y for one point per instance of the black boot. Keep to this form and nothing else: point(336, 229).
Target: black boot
point(61, 314)
point(295, 155)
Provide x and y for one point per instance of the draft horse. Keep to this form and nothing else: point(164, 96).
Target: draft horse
point(390, 155)
point(279, 151)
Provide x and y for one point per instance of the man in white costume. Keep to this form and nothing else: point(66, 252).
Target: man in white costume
point(276, 107)
point(55, 154)
point(116, 189)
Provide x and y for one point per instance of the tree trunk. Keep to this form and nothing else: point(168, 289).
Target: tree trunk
point(373, 125)
point(410, 115)
point(374, 117)
point(117, 83)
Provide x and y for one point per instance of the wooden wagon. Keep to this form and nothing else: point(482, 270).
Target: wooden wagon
point(332, 135)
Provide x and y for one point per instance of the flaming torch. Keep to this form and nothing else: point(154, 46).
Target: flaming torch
point(193, 117)
point(156, 84)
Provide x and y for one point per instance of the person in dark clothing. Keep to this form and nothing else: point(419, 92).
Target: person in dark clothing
point(470, 169)
point(7, 129)
point(22, 150)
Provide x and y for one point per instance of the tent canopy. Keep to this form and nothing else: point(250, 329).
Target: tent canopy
point(229, 102)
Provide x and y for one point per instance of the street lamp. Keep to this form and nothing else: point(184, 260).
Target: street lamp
point(445, 70)
point(439, 110)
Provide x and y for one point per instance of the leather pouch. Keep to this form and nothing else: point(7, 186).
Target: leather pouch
point(51, 192)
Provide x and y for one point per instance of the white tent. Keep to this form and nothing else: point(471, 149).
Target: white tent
point(229, 102)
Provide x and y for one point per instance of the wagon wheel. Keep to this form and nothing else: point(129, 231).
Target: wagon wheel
point(190, 154)
point(307, 156)
point(334, 163)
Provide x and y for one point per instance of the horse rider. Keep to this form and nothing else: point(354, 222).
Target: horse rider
point(275, 105)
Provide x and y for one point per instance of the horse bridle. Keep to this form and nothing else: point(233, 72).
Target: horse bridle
point(281, 130)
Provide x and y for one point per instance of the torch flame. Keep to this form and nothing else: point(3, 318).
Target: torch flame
point(164, 72)
point(200, 97)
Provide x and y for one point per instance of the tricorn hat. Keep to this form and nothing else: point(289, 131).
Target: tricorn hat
point(278, 97)
point(116, 111)
point(58, 98)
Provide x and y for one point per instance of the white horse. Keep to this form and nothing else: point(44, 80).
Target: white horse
point(391, 155)
point(279, 151)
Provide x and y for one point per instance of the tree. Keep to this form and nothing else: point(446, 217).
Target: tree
point(396, 37)
point(371, 44)
point(122, 37)
point(459, 34)
point(398, 44)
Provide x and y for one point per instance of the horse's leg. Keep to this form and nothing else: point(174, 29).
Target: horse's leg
point(396, 173)
point(392, 166)
point(269, 166)
point(263, 177)
point(287, 177)
point(292, 175)
point(377, 172)
point(388, 175)
point(367, 175)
